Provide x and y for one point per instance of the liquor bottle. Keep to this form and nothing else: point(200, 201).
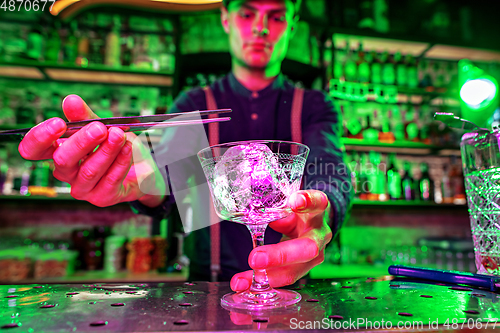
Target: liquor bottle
point(371, 133)
point(54, 107)
point(154, 51)
point(381, 178)
point(7, 115)
point(376, 178)
point(96, 41)
point(71, 44)
point(386, 135)
point(394, 184)
point(364, 60)
point(388, 70)
point(407, 183)
point(366, 20)
point(397, 123)
point(82, 58)
point(424, 125)
point(457, 182)
point(424, 74)
point(453, 75)
point(411, 127)
point(25, 115)
point(167, 54)
point(364, 183)
point(112, 55)
point(40, 174)
point(446, 188)
point(4, 169)
point(53, 47)
point(339, 61)
point(35, 44)
point(353, 123)
point(351, 69)
point(127, 46)
point(354, 169)
point(133, 108)
point(23, 182)
point(140, 53)
point(401, 70)
point(105, 108)
point(425, 184)
point(376, 69)
point(411, 72)
point(439, 75)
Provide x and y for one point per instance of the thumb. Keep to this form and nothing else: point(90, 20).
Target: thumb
point(75, 109)
point(309, 201)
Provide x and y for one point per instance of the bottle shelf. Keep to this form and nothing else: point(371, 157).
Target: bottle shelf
point(419, 45)
point(403, 203)
point(392, 94)
point(400, 147)
point(30, 69)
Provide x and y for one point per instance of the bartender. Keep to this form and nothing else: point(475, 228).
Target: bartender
point(261, 98)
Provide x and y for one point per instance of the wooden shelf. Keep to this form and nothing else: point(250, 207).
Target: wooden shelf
point(34, 70)
point(417, 45)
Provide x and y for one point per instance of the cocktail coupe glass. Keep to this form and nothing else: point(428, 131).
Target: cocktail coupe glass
point(250, 183)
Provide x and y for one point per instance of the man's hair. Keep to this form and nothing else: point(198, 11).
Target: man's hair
point(296, 3)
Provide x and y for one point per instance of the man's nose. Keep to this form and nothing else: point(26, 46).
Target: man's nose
point(261, 25)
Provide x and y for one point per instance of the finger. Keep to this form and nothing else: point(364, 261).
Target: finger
point(111, 188)
point(39, 142)
point(293, 251)
point(308, 201)
point(68, 155)
point(95, 166)
point(75, 108)
point(241, 281)
point(287, 275)
point(277, 276)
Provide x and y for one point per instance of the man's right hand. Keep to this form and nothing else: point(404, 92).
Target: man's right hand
point(95, 161)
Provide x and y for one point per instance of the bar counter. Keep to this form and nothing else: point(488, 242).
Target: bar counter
point(345, 304)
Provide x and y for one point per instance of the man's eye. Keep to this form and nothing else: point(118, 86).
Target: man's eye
point(279, 18)
point(245, 15)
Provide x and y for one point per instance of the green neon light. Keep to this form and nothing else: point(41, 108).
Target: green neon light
point(478, 93)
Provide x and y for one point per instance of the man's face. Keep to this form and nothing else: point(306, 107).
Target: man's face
point(259, 31)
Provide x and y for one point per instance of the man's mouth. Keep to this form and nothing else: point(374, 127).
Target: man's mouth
point(258, 46)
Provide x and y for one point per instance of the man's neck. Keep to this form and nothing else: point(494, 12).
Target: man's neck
point(255, 79)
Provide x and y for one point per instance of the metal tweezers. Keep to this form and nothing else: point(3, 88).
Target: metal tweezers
point(131, 124)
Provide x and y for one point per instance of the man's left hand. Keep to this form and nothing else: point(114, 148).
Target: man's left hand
point(305, 235)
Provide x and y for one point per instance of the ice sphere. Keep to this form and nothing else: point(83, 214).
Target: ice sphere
point(249, 177)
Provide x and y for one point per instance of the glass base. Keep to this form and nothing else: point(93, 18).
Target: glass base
point(272, 299)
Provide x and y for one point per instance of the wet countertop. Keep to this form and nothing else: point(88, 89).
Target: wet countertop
point(345, 304)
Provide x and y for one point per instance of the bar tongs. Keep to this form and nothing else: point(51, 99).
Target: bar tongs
point(134, 123)
point(490, 282)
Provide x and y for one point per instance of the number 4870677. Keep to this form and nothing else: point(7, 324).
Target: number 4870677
point(26, 5)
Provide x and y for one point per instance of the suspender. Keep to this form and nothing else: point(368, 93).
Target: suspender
point(296, 123)
point(213, 139)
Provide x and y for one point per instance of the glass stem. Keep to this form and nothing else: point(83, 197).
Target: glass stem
point(260, 282)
